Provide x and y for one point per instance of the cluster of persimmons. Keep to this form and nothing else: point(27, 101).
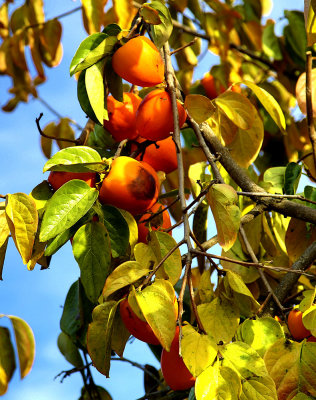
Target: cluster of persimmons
point(132, 184)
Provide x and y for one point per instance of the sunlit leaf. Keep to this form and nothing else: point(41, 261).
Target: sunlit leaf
point(125, 12)
point(260, 333)
point(261, 388)
point(157, 305)
point(150, 15)
point(237, 108)
point(309, 319)
point(92, 251)
point(161, 32)
point(95, 88)
point(198, 351)
point(133, 229)
point(65, 131)
point(219, 383)
point(68, 204)
point(75, 159)
point(50, 36)
point(275, 176)
point(220, 319)
point(145, 255)
point(92, 13)
point(22, 219)
point(222, 199)
point(83, 97)
point(125, 274)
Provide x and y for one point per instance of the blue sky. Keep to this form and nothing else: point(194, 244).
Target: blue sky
point(38, 296)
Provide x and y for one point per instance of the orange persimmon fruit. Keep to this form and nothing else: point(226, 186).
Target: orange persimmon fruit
point(137, 327)
point(212, 88)
point(163, 158)
point(122, 116)
point(162, 220)
point(139, 62)
point(154, 118)
point(58, 178)
point(131, 185)
point(173, 369)
point(295, 324)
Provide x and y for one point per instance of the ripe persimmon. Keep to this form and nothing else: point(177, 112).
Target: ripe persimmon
point(173, 369)
point(58, 178)
point(295, 324)
point(139, 62)
point(162, 220)
point(137, 327)
point(154, 118)
point(131, 185)
point(212, 88)
point(162, 158)
point(311, 339)
point(122, 116)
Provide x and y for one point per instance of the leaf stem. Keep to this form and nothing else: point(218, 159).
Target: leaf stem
point(37, 120)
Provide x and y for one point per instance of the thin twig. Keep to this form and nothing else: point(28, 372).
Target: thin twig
point(137, 365)
point(119, 148)
point(309, 104)
point(277, 196)
point(183, 47)
point(37, 120)
point(261, 273)
point(194, 307)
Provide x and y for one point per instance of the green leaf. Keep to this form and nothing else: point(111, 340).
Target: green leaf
point(125, 274)
point(150, 15)
point(161, 32)
point(7, 359)
point(85, 48)
point(112, 30)
point(83, 97)
point(275, 176)
point(220, 319)
point(68, 204)
point(57, 242)
point(243, 359)
point(145, 255)
point(295, 37)
point(223, 199)
point(92, 251)
point(41, 194)
point(69, 350)
point(238, 286)
point(113, 80)
point(261, 388)
point(198, 351)
point(118, 230)
point(22, 218)
point(199, 107)
point(25, 344)
point(95, 89)
point(310, 193)
point(99, 336)
point(219, 383)
point(237, 108)
point(260, 333)
point(270, 42)
point(292, 177)
point(161, 243)
point(269, 103)
point(75, 159)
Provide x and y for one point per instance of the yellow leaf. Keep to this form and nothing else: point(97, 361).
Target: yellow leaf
point(309, 319)
point(35, 11)
point(237, 108)
point(291, 366)
point(120, 335)
point(269, 103)
point(157, 305)
point(133, 228)
point(125, 274)
point(4, 21)
point(17, 44)
point(50, 36)
point(311, 26)
point(220, 319)
point(7, 359)
point(46, 143)
point(246, 144)
point(223, 199)
point(145, 256)
point(199, 107)
point(125, 12)
point(238, 286)
point(198, 351)
point(25, 343)
point(65, 131)
point(150, 15)
point(218, 383)
point(262, 388)
point(22, 219)
point(4, 228)
point(92, 13)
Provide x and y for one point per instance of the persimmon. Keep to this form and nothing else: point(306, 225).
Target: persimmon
point(154, 118)
point(137, 327)
point(163, 158)
point(212, 88)
point(160, 221)
point(139, 62)
point(131, 185)
point(295, 324)
point(58, 178)
point(122, 116)
point(311, 339)
point(173, 369)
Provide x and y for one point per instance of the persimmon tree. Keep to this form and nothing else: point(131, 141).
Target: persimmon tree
point(237, 153)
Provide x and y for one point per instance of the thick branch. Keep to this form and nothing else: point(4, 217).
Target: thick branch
point(291, 278)
point(284, 207)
